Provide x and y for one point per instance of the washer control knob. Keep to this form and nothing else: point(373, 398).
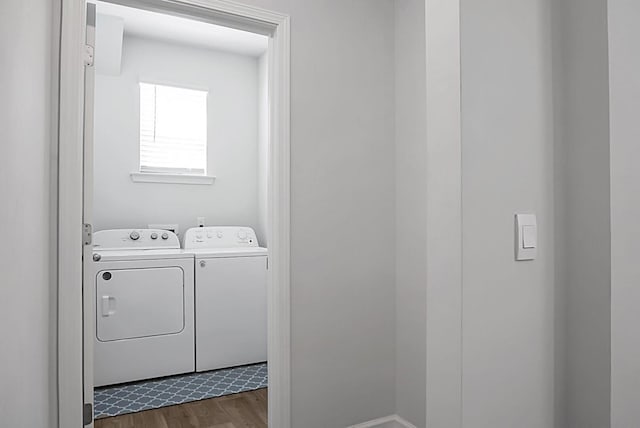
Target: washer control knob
point(203, 263)
point(219, 234)
point(154, 235)
point(165, 236)
point(242, 234)
point(134, 235)
point(96, 257)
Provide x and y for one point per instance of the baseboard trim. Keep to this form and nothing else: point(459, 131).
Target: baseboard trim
point(393, 421)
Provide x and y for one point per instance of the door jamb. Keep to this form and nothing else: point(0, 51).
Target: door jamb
point(70, 187)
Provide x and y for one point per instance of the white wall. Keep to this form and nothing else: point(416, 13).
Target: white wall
point(625, 210)
point(263, 147)
point(582, 208)
point(232, 82)
point(26, 378)
point(411, 210)
point(507, 167)
point(109, 38)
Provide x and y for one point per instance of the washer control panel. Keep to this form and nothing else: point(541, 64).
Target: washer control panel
point(220, 237)
point(140, 239)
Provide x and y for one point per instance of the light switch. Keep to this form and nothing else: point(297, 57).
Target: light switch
point(529, 238)
point(526, 237)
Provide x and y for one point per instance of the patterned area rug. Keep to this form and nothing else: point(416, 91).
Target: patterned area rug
point(156, 393)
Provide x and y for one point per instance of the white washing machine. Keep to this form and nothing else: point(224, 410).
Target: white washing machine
point(231, 296)
point(144, 315)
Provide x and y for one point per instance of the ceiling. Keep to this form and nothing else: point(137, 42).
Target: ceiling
point(160, 26)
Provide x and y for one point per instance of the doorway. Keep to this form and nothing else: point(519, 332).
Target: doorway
point(77, 206)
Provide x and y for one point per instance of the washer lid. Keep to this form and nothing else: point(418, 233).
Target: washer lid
point(220, 237)
point(229, 252)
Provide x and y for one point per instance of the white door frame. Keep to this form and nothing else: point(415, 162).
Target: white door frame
point(70, 195)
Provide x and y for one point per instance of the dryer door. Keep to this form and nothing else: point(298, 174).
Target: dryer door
point(135, 303)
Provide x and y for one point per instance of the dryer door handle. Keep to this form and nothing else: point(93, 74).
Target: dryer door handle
point(108, 306)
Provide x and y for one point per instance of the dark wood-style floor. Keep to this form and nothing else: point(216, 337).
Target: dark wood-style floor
point(244, 410)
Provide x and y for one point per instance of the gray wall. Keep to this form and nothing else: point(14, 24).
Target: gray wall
point(582, 208)
point(625, 210)
point(344, 319)
point(444, 215)
point(507, 167)
point(342, 213)
point(25, 126)
point(232, 139)
point(411, 210)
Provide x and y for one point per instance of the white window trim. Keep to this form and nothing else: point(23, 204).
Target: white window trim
point(167, 178)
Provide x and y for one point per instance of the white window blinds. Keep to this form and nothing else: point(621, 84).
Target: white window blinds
point(173, 130)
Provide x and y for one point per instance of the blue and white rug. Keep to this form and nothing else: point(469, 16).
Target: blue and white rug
point(156, 393)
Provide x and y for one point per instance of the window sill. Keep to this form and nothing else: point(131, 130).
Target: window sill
point(152, 177)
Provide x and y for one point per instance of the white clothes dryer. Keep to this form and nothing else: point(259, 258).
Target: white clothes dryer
point(144, 315)
point(231, 296)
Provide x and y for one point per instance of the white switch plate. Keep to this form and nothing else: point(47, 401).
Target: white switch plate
point(526, 237)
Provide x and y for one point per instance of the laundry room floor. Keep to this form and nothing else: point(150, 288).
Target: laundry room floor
point(151, 394)
point(244, 410)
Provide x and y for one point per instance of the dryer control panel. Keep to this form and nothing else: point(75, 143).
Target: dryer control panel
point(139, 239)
point(220, 237)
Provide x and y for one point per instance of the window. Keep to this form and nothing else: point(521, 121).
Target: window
point(173, 130)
